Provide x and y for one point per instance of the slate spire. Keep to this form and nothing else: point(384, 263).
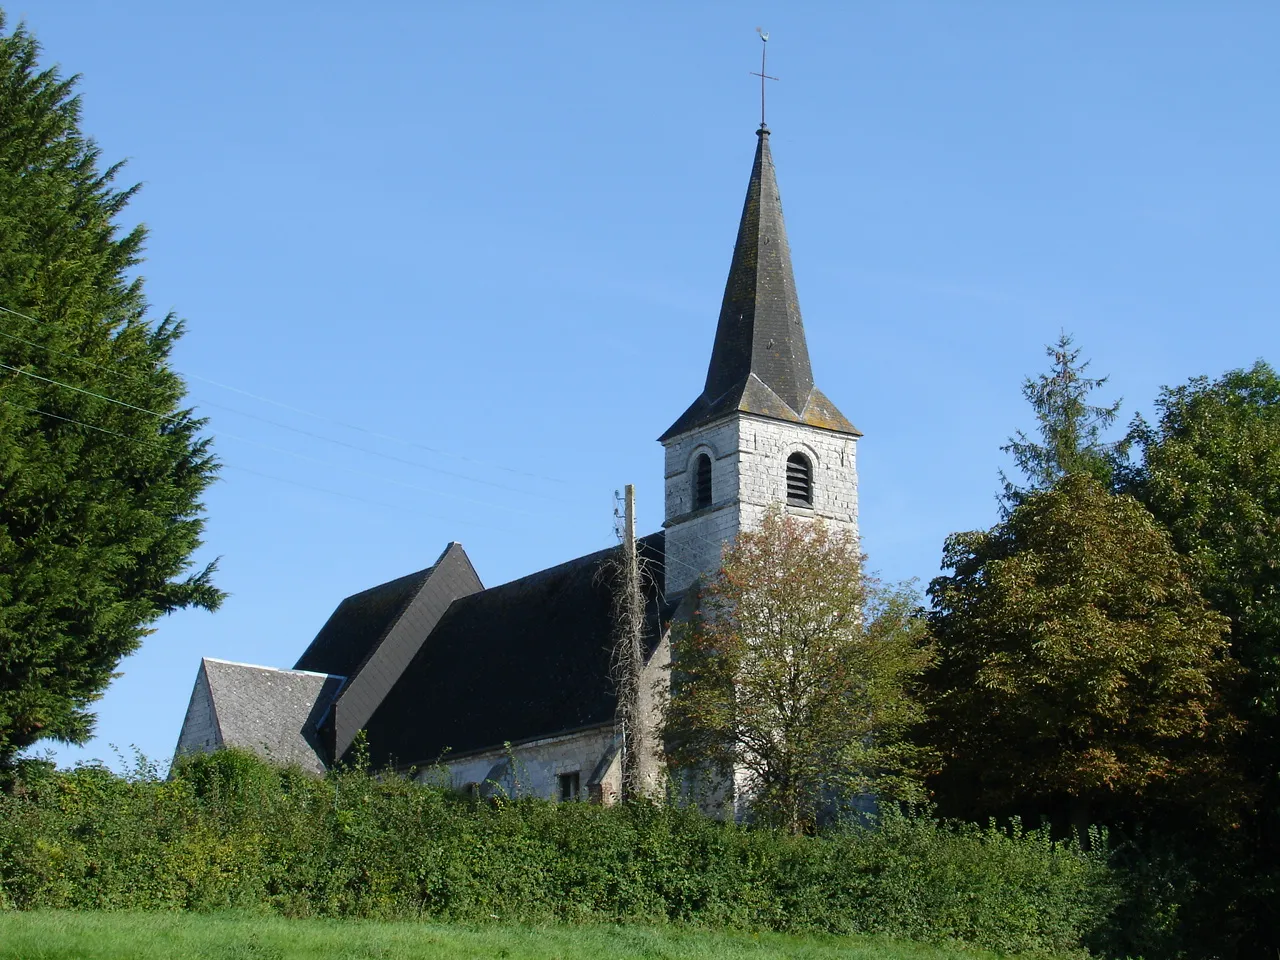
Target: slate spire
point(760, 329)
point(760, 360)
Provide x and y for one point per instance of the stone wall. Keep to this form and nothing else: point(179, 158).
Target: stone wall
point(748, 474)
point(655, 682)
point(200, 726)
point(538, 765)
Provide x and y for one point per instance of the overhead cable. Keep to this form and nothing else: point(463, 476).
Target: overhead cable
point(307, 413)
point(401, 510)
point(267, 446)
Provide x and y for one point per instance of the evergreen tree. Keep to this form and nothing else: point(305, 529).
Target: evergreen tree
point(799, 671)
point(100, 507)
point(1070, 427)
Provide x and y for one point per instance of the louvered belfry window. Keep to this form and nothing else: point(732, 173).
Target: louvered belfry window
point(799, 481)
point(702, 482)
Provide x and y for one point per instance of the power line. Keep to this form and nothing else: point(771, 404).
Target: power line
point(466, 521)
point(283, 426)
point(667, 557)
point(299, 430)
point(272, 447)
point(285, 406)
point(275, 423)
point(392, 457)
point(380, 436)
point(258, 473)
point(81, 423)
point(100, 396)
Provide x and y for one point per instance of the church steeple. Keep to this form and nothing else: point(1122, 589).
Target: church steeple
point(761, 436)
point(760, 361)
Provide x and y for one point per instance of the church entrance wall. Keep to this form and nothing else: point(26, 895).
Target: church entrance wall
point(541, 768)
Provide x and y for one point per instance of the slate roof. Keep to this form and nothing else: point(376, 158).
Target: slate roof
point(358, 623)
point(526, 659)
point(760, 360)
point(390, 643)
point(270, 711)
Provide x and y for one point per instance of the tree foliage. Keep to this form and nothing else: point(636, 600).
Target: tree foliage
point(1070, 427)
point(229, 831)
point(100, 506)
point(1211, 473)
point(797, 670)
point(1077, 658)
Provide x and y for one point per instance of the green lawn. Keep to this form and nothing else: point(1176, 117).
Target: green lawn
point(53, 935)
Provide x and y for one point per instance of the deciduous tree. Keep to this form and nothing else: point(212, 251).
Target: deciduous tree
point(1077, 660)
point(1210, 473)
point(100, 506)
point(797, 670)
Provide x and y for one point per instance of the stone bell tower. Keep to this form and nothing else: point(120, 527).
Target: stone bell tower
point(760, 433)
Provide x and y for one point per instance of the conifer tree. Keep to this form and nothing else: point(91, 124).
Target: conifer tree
point(100, 501)
point(1070, 427)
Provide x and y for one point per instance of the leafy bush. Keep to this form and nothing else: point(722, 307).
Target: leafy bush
point(230, 831)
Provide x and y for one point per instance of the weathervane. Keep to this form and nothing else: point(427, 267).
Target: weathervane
point(764, 46)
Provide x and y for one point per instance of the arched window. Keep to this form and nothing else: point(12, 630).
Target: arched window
point(702, 482)
point(799, 481)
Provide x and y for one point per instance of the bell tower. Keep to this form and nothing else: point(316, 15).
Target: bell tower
point(760, 433)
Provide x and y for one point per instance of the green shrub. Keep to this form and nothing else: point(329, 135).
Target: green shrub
point(230, 831)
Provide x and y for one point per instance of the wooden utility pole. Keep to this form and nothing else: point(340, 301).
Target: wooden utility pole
point(628, 655)
point(629, 521)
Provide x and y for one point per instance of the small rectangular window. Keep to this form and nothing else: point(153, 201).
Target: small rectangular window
point(569, 786)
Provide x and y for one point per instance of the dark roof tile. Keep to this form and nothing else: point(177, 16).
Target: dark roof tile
point(396, 643)
point(358, 623)
point(518, 661)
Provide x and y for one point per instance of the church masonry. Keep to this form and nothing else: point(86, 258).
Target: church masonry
point(508, 689)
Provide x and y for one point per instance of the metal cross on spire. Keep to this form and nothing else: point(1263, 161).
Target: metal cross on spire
point(764, 46)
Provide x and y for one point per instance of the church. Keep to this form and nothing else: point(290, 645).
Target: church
point(509, 688)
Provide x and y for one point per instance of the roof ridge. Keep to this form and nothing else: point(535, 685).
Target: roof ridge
point(260, 666)
point(396, 617)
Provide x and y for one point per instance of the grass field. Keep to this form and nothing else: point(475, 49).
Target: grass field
point(52, 935)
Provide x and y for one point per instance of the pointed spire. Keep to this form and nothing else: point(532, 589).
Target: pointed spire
point(760, 361)
point(760, 329)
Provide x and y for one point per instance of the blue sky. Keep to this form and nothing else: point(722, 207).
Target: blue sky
point(494, 238)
